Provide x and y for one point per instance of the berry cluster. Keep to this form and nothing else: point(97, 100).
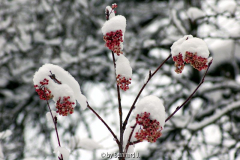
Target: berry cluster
point(179, 63)
point(114, 5)
point(113, 40)
point(197, 62)
point(123, 82)
point(64, 106)
point(43, 92)
point(151, 130)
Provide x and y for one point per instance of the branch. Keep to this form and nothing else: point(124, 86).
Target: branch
point(133, 105)
point(179, 107)
point(135, 142)
point(119, 106)
point(129, 138)
point(55, 126)
point(99, 117)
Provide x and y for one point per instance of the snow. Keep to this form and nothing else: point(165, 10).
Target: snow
point(196, 126)
point(149, 43)
point(84, 143)
point(115, 23)
point(1, 152)
point(5, 134)
point(227, 6)
point(238, 79)
point(82, 101)
point(177, 22)
point(49, 118)
point(190, 44)
point(111, 12)
point(195, 13)
point(63, 151)
point(176, 47)
point(63, 91)
point(123, 67)
point(212, 134)
point(147, 77)
point(46, 6)
point(38, 37)
point(69, 86)
point(152, 105)
point(221, 51)
point(6, 23)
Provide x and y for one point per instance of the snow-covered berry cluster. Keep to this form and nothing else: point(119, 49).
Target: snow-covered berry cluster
point(53, 82)
point(64, 106)
point(113, 40)
point(43, 92)
point(123, 82)
point(151, 130)
point(191, 50)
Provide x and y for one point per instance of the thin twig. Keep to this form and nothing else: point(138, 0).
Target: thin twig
point(133, 105)
point(179, 107)
point(119, 107)
point(135, 142)
point(55, 124)
point(99, 117)
point(129, 138)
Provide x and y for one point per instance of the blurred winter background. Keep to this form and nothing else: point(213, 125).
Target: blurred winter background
point(68, 33)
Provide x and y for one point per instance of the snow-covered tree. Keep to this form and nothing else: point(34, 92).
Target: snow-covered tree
point(68, 34)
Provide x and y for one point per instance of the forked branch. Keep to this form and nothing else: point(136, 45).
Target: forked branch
point(135, 101)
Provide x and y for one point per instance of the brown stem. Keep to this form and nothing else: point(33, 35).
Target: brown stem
point(99, 117)
point(55, 126)
point(135, 142)
point(119, 107)
point(55, 123)
point(150, 76)
point(179, 107)
point(129, 138)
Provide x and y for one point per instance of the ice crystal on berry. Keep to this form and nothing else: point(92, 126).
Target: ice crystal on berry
point(151, 129)
point(64, 106)
point(123, 82)
point(113, 40)
point(43, 92)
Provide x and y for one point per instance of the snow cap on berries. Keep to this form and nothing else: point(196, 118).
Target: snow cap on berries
point(153, 105)
point(113, 33)
point(123, 72)
point(115, 23)
point(191, 50)
point(55, 82)
point(150, 116)
point(123, 67)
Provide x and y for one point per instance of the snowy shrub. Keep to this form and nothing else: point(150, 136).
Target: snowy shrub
point(53, 82)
